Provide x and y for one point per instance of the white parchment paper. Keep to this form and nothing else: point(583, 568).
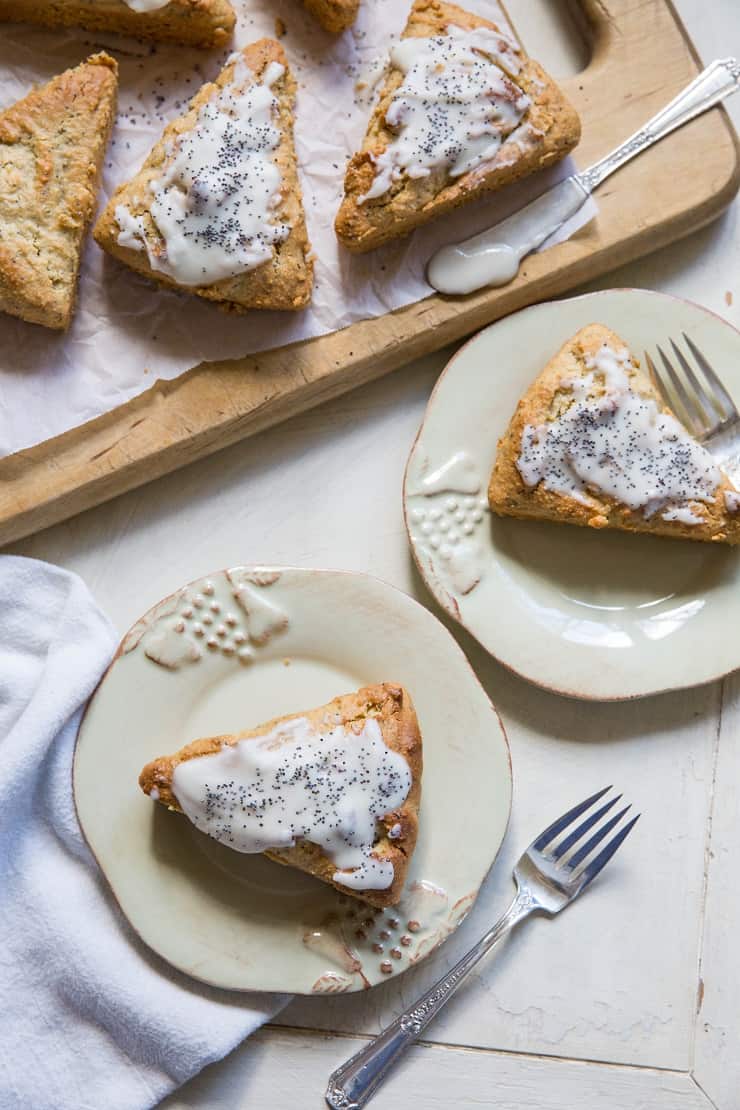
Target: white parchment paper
point(127, 332)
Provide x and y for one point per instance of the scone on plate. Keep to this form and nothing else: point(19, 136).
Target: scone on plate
point(334, 791)
point(334, 15)
point(216, 209)
point(191, 22)
point(592, 443)
point(463, 111)
point(52, 145)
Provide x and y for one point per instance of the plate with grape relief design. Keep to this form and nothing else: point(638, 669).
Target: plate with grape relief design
point(225, 653)
point(590, 613)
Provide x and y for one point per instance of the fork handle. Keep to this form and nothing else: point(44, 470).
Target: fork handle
point(712, 85)
point(355, 1082)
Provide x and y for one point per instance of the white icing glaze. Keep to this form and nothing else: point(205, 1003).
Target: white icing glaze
point(620, 444)
point(493, 256)
point(295, 782)
point(132, 231)
point(214, 203)
point(732, 501)
point(683, 514)
point(454, 109)
point(146, 5)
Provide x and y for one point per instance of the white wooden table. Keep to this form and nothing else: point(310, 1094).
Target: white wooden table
point(628, 1000)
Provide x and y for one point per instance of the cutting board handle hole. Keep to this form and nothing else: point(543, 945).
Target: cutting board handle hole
point(558, 33)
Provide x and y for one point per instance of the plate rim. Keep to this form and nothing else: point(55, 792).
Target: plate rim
point(448, 603)
point(280, 568)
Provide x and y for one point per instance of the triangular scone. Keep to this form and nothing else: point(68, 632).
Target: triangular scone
point(462, 111)
point(592, 443)
point(216, 209)
point(334, 15)
point(334, 791)
point(191, 22)
point(51, 150)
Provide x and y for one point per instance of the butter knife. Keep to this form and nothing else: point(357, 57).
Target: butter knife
point(493, 256)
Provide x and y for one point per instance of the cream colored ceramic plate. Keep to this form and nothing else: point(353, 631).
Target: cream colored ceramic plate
point(601, 615)
point(243, 646)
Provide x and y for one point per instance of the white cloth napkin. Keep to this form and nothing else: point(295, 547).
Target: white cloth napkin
point(89, 1018)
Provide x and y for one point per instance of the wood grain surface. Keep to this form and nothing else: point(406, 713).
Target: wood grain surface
point(641, 57)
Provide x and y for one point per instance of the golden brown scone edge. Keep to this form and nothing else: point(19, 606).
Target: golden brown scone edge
point(333, 15)
point(391, 705)
point(509, 496)
point(52, 145)
point(284, 282)
point(204, 23)
point(411, 203)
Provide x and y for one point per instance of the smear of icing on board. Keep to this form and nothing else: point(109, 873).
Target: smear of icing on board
point(455, 107)
point(618, 443)
point(215, 201)
point(295, 783)
point(493, 256)
point(146, 5)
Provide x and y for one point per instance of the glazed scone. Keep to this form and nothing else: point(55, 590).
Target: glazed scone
point(463, 111)
point(52, 145)
point(334, 791)
point(203, 23)
point(216, 209)
point(591, 443)
point(334, 15)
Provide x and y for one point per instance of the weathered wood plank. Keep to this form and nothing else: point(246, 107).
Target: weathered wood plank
point(282, 1071)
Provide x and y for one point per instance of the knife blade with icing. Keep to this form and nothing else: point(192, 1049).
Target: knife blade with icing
point(493, 257)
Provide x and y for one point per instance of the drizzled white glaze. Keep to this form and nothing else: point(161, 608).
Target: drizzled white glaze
point(619, 444)
point(493, 256)
point(683, 514)
point(214, 203)
point(146, 5)
point(294, 783)
point(454, 108)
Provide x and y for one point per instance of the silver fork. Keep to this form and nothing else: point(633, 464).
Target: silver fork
point(701, 403)
point(549, 875)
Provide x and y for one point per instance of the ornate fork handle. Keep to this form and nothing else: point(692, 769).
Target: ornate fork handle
point(351, 1085)
point(716, 82)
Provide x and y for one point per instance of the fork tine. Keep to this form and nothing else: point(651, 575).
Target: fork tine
point(592, 869)
point(595, 840)
point(658, 381)
point(709, 407)
point(562, 822)
point(716, 385)
point(690, 413)
point(583, 828)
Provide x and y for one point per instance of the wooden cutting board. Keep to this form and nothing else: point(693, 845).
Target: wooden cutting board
point(641, 57)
